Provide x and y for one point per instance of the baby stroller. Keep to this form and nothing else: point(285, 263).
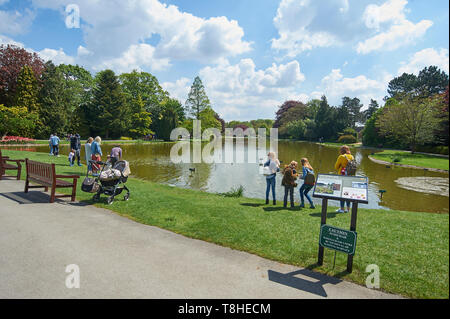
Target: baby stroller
point(111, 180)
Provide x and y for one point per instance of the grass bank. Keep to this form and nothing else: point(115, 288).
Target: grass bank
point(411, 249)
point(407, 158)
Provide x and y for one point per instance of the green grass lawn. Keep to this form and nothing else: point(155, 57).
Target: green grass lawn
point(421, 160)
point(410, 248)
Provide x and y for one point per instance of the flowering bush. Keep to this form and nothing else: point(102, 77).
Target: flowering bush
point(15, 140)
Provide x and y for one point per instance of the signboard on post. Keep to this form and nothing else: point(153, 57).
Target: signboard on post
point(338, 239)
point(340, 187)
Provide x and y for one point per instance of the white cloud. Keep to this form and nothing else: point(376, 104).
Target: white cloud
point(113, 30)
point(336, 86)
point(425, 58)
point(392, 28)
point(304, 25)
point(241, 90)
point(57, 56)
point(398, 35)
point(15, 22)
point(390, 11)
point(136, 57)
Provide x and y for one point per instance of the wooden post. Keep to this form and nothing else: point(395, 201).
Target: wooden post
point(323, 221)
point(352, 228)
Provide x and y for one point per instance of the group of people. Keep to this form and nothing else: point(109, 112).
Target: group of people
point(92, 150)
point(291, 175)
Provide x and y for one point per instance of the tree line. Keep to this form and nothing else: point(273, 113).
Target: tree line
point(415, 114)
point(38, 98)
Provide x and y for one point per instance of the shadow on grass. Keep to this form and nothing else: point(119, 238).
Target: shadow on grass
point(278, 208)
point(329, 215)
point(252, 204)
point(311, 282)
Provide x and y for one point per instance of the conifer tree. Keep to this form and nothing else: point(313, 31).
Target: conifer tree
point(197, 100)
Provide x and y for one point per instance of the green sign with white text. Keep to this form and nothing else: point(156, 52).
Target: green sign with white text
point(338, 239)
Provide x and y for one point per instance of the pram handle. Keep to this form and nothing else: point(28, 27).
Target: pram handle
point(97, 162)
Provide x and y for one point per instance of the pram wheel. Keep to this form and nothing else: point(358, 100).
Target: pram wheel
point(126, 197)
point(110, 199)
point(96, 197)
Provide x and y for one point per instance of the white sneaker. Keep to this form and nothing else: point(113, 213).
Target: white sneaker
point(340, 211)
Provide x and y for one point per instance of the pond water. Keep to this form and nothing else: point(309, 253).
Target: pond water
point(152, 162)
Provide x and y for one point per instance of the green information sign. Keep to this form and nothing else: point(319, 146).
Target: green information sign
point(338, 239)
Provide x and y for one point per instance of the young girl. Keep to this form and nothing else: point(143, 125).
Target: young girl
point(306, 187)
point(274, 164)
point(71, 156)
point(289, 177)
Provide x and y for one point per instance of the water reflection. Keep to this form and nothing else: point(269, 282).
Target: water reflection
point(152, 162)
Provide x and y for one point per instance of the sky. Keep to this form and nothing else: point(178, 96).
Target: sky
point(252, 55)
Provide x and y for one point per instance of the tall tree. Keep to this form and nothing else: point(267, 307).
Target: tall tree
point(406, 83)
point(12, 61)
point(290, 111)
point(109, 105)
point(27, 90)
point(373, 107)
point(144, 85)
point(354, 110)
point(170, 115)
point(412, 119)
point(55, 111)
point(432, 81)
point(197, 100)
point(324, 120)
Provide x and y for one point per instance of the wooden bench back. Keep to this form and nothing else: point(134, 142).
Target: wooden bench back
point(42, 171)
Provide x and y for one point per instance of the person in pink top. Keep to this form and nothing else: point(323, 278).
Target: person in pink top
point(116, 154)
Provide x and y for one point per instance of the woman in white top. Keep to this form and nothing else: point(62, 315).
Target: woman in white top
point(274, 166)
point(88, 153)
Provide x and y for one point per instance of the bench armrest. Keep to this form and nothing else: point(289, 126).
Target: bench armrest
point(67, 176)
point(12, 160)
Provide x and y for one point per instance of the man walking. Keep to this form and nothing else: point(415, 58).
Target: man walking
point(75, 144)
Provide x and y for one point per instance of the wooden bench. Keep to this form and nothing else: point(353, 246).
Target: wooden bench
point(5, 166)
point(44, 174)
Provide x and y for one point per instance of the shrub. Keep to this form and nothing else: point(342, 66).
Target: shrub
point(125, 138)
point(347, 139)
point(234, 192)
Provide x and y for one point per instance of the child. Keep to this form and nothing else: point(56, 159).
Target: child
point(71, 156)
point(308, 183)
point(289, 183)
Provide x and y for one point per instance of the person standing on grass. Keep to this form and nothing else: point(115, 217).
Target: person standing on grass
point(50, 144)
point(55, 145)
point(289, 177)
point(75, 144)
point(273, 165)
point(308, 183)
point(341, 166)
point(71, 157)
point(88, 153)
point(116, 154)
point(96, 152)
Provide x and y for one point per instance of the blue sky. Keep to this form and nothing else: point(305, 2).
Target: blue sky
point(251, 55)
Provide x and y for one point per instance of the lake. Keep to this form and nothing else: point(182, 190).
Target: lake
point(152, 162)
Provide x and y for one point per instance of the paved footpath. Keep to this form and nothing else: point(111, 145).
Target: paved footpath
point(119, 258)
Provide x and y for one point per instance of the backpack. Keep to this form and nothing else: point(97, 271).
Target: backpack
point(310, 178)
point(351, 167)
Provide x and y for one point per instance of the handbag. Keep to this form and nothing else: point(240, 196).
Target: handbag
point(89, 185)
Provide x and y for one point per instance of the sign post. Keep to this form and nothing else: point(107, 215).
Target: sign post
point(340, 187)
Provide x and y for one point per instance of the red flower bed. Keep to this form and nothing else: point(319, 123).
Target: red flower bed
point(15, 140)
